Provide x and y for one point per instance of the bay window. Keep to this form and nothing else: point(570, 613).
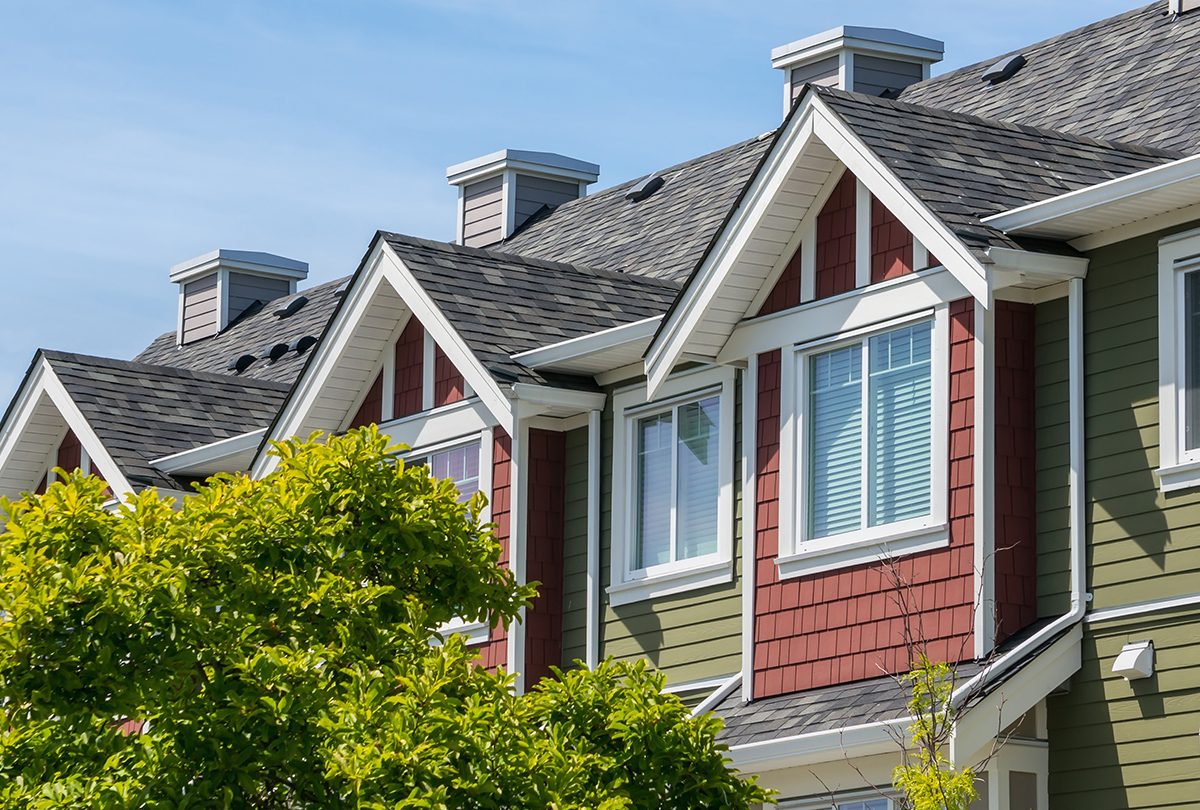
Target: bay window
point(864, 450)
point(672, 490)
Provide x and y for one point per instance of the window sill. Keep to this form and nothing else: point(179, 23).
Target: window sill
point(688, 579)
point(828, 555)
point(1179, 476)
point(473, 633)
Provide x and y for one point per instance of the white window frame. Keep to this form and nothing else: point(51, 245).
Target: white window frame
point(628, 584)
point(1178, 256)
point(800, 555)
point(475, 632)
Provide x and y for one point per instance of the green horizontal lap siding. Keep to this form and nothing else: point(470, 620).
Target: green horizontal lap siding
point(1119, 744)
point(1142, 545)
point(574, 642)
point(1053, 461)
point(690, 636)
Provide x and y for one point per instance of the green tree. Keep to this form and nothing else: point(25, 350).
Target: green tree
point(267, 644)
point(927, 778)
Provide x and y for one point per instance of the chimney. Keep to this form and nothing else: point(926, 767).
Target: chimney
point(874, 61)
point(497, 193)
point(214, 289)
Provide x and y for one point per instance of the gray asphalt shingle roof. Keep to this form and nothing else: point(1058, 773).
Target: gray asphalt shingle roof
point(251, 333)
point(141, 412)
point(1133, 77)
point(662, 236)
point(965, 167)
point(502, 304)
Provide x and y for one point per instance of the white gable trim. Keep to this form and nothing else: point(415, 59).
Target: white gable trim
point(218, 456)
point(813, 121)
point(43, 380)
point(382, 266)
point(447, 339)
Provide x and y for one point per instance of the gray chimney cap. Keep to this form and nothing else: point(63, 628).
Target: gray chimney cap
point(522, 160)
point(247, 261)
point(882, 41)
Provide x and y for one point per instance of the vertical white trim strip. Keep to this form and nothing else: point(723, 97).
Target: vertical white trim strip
point(487, 444)
point(593, 540)
point(983, 474)
point(508, 203)
point(387, 408)
point(517, 552)
point(428, 363)
point(222, 299)
point(749, 519)
point(1077, 476)
point(461, 209)
point(862, 235)
point(920, 255)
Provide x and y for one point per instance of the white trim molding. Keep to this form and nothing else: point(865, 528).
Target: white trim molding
point(1179, 465)
point(800, 555)
point(219, 456)
point(628, 584)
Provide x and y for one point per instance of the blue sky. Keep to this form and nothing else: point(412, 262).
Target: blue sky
point(134, 135)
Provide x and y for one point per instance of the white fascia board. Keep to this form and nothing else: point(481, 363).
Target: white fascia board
point(1004, 705)
point(814, 120)
point(24, 405)
point(83, 431)
point(822, 746)
point(547, 397)
point(565, 352)
point(338, 333)
point(723, 689)
point(670, 342)
point(207, 458)
point(1048, 268)
point(1036, 217)
point(447, 339)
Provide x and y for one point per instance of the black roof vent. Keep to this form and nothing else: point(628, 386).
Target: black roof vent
point(301, 345)
point(241, 363)
point(1004, 70)
point(293, 306)
point(645, 188)
point(274, 351)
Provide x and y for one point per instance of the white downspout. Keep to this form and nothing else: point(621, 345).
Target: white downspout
point(593, 540)
point(517, 555)
point(749, 518)
point(1077, 507)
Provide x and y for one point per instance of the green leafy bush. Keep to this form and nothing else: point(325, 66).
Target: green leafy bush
point(267, 644)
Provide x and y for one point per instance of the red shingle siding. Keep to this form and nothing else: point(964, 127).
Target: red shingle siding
point(891, 245)
point(848, 624)
point(786, 292)
point(835, 271)
point(410, 359)
point(371, 410)
point(544, 563)
point(493, 654)
point(70, 453)
point(448, 385)
point(1016, 493)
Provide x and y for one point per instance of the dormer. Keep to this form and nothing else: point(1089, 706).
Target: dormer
point(873, 61)
point(498, 193)
point(214, 289)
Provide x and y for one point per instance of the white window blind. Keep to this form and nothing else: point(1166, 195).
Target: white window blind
point(870, 436)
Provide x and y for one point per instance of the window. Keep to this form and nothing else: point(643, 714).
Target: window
point(459, 464)
point(865, 449)
point(1179, 361)
point(673, 487)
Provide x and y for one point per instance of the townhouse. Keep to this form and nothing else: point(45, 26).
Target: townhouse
point(912, 372)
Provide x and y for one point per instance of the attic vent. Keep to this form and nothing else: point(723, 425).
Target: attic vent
point(274, 351)
point(1004, 70)
point(241, 363)
point(645, 188)
point(293, 306)
point(342, 288)
point(301, 345)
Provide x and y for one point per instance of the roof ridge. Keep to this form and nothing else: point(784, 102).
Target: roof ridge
point(1002, 123)
point(159, 368)
point(521, 258)
point(1133, 12)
